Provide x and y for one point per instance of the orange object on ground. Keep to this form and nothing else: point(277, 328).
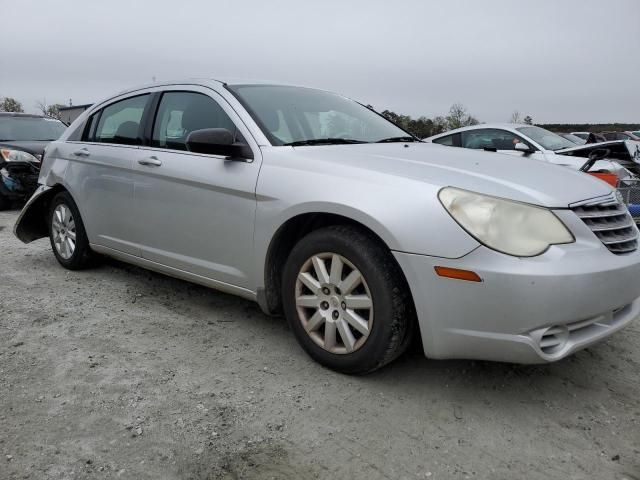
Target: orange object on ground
point(610, 178)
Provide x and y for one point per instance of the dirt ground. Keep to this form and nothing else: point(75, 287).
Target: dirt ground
point(117, 372)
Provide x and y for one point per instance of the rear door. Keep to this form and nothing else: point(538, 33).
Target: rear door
point(99, 173)
point(195, 212)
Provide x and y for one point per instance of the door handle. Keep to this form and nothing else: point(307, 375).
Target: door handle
point(150, 161)
point(83, 152)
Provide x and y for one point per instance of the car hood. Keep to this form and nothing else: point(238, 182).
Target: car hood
point(32, 146)
point(495, 174)
point(620, 149)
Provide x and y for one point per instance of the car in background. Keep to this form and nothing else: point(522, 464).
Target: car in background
point(582, 135)
point(590, 137)
point(620, 136)
point(533, 142)
point(312, 204)
point(573, 138)
point(23, 138)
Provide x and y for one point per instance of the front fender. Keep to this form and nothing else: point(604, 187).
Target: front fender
point(32, 221)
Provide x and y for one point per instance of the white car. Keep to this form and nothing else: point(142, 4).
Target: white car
point(582, 135)
point(539, 144)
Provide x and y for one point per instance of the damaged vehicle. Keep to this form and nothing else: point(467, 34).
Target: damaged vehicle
point(23, 138)
point(616, 162)
point(573, 138)
point(315, 206)
point(620, 136)
point(622, 157)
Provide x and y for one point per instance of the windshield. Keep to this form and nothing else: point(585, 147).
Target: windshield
point(548, 140)
point(296, 115)
point(30, 128)
point(574, 138)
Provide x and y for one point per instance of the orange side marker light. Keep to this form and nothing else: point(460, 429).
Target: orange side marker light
point(457, 274)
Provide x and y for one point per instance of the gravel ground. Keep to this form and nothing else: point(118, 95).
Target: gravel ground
point(117, 372)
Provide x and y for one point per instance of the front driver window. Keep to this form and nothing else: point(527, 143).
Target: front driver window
point(490, 138)
point(180, 113)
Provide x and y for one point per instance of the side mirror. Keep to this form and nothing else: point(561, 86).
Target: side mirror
point(522, 147)
point(218, 141)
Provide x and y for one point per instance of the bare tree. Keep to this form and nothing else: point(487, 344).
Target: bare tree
point(42, 106)
point(52, 111)
point(459, 117)
point(9, 104)
point(515, 117)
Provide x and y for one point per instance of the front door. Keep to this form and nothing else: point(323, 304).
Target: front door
point(196, 212)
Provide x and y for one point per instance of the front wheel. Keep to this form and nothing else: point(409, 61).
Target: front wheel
point(67, 235)
point(346, 300)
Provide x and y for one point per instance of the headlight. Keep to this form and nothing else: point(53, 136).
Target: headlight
point(509, 227)
point(17, 156)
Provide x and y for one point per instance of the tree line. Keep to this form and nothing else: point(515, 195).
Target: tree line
point(422, 127)
point(590, 127)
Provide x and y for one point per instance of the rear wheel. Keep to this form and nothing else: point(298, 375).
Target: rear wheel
point(67, 235)
point(346, 300)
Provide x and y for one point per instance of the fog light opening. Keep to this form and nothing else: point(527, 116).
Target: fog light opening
point(554, 339)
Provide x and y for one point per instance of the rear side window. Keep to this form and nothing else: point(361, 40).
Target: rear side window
point(448, 140)
point(180, 113)
point(490, 138)
point(119, 122)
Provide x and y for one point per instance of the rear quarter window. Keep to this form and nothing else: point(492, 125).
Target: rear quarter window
point(450, 140)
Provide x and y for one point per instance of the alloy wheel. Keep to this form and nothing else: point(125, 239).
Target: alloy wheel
point(334, 303)
point(63, 228)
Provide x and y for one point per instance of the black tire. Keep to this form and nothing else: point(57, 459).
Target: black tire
point(393, 312)
point(82, 256)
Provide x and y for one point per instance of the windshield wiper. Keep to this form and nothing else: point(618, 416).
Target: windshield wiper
point(323, 141)
point(398, 139)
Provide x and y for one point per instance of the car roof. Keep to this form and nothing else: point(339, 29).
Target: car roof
point(207, 82)
point(20, 114)
point(501, 126)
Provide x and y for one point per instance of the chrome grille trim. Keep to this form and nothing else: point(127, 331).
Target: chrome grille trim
point(611, 223)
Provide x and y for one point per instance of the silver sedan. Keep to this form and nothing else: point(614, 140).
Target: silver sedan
point(363, 236)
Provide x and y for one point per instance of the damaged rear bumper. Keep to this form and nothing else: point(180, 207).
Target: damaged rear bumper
point(31, 223)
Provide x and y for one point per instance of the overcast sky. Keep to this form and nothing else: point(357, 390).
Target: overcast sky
point(558, 61)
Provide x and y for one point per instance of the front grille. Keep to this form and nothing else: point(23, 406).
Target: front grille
point(612, 224)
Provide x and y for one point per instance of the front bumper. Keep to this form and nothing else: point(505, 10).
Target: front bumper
point(526, 310)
